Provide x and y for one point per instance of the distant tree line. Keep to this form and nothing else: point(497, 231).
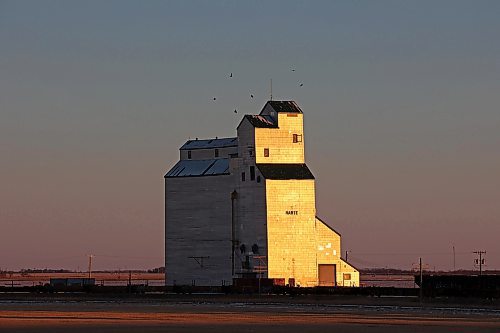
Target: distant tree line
point(395, 271)
point(44, 270)
point(25, 271)
point(157, 270)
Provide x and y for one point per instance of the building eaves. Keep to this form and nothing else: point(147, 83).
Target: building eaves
point(285, 171)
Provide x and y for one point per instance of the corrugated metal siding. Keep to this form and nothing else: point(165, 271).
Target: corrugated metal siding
point(198, 230)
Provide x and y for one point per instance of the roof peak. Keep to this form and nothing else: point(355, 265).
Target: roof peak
point(285, 106)
point(258, 120)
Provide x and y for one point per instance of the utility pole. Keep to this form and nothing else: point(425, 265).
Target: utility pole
point(480, 261)
point(346, 252)
point(454, 262)
point(421, 279)
point(90, 265)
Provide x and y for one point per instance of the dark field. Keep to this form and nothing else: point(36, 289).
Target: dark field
point(102, 278)
point(217, 313)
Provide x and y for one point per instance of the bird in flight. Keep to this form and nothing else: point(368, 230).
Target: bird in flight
point(293, 69)
point(251, 96)
point(235, 111)
point(300, 85)
point(215, 98)
point(231, 75)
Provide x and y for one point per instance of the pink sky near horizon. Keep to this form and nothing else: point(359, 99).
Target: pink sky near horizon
point(400, 102)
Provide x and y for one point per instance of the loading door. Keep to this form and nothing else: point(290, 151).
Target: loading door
point(327, 275)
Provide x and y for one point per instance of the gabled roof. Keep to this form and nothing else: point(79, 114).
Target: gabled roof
point(210, 143)
point(328, 226)
point(346, 262)
point(285, 171)
point(192, 168)
point(261, 121)
point(285, 106)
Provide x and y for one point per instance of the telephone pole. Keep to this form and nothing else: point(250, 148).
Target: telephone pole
point(480, 261)
point(90, 265)
point(454, 261)
point(421, 280)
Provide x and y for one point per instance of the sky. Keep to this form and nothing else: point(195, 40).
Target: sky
point(401, 108)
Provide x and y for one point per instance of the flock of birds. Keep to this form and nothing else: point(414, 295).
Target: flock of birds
point(251, 95)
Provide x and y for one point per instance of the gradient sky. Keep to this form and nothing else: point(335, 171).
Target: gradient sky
point(402, 120)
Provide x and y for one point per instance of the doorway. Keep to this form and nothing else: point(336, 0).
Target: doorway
point(327, 274)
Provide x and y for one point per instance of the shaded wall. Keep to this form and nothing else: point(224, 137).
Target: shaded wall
point(198, 228)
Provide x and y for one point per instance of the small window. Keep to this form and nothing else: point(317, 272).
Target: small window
point(347, 276)
point(297, 138)
point(258, 179)
point(266, 152)
point(246, 264)
point(189, 154)
point(216, 152)
point(242, 176)
point(252, 173)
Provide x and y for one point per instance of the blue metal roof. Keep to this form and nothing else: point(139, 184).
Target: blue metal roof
point(285, 106)
point(192, 168)
point(261, 121)
point(210, 143)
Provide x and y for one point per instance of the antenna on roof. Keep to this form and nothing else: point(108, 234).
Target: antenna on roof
point(271, 89)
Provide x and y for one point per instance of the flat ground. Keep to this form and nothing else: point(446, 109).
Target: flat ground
point(160, 313)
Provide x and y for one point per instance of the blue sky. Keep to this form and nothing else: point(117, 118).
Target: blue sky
point(401, 112)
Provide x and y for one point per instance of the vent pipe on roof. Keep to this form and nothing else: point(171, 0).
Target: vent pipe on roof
point(271, 89)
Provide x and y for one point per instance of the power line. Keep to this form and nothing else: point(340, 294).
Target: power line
point(480, 261)
point(409, 253)
point(127, 257)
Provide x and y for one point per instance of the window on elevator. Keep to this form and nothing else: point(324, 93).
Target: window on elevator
point(216, 153)
point(266, 152)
